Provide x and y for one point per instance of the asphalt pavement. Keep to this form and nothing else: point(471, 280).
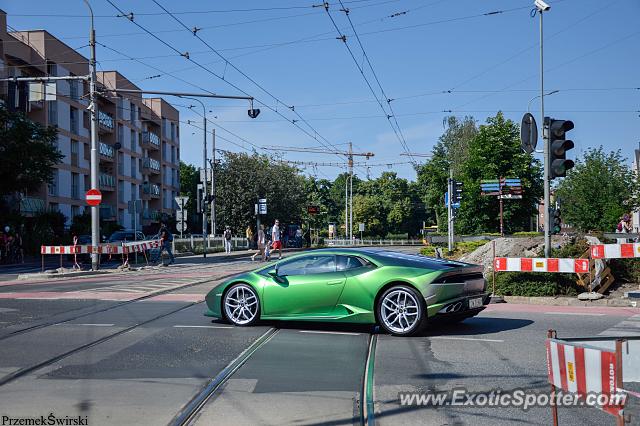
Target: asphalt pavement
point(134, 348)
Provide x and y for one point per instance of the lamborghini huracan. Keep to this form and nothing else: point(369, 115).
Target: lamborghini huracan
point(400, 292)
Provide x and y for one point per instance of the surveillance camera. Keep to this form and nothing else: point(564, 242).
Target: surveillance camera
point(542, 6)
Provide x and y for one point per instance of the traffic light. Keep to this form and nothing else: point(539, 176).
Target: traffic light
point(457, 191)
point(558, 147)
point(199, 197)
point(556, 226)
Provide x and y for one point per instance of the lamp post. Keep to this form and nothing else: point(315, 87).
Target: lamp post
point(204, 169)
point(93, 108)
point(553, 92)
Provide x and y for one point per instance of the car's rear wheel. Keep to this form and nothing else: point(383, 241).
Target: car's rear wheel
point(241, 305)
point(401, 311)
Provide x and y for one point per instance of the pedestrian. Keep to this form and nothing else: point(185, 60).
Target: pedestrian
point(260, 244)
point(299, 237)
point(275, 237)
point(267, 245)
point(624, 227)
point(227, 239)
point(249, 235)
point(166, 238)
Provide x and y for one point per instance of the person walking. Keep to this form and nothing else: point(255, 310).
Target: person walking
point(166, 238)
point(227, 240)
point(624, 227)
point(260, 244)
point(275, 237)
point(249, 234)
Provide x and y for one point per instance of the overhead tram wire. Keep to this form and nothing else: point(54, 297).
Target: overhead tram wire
point(292, 108)
point(373, 72)
point(388, 114)
point(199, 65)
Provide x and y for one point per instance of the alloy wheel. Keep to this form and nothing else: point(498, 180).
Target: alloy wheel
point(400, 311)
point(241, 304)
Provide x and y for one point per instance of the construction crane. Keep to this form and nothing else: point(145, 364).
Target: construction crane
point(348, 190)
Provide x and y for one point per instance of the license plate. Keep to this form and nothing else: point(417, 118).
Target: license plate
point(475, 303)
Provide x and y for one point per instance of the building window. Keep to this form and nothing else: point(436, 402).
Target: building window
point(121, 191)
point(75, 211)
point(121, 217)
point(52, 69)
point(53, 185)
point(173, 131)
point(133, 141)
point(134, 172)
point(52, 112)
point(74, 153)
point(132, 113)
point(120, 134)
point(173, 155)
point(73, 118)
point(75, 186)
point(120, 163)
point(73, 89)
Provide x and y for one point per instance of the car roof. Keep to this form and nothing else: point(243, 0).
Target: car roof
point(390, 257)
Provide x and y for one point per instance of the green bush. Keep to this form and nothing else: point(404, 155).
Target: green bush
point(536, 284)
point(626, 270)
point(527, 234)
point(460, 248)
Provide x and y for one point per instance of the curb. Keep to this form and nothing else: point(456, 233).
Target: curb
point(568, 301)
point(36, 275)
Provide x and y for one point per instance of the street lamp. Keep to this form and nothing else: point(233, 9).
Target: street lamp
point(204, 171)
point(553, 92)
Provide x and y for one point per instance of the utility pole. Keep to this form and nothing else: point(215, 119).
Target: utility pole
point(94, 161)
point(213, 184)
point(542, 7)
point(450, 211)
point(346, 205)
point(350, 192)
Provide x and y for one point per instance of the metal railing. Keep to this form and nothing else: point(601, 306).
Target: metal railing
point(106, 150)
point(194, 243)
point(151, 138)
point(150, 163)
point(336, 242)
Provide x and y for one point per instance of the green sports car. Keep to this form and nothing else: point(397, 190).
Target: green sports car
point(401, 292)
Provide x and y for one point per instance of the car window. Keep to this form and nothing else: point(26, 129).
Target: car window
point(307, 265)
point(345, 263)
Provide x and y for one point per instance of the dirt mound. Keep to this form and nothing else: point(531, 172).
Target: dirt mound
point(511, 247)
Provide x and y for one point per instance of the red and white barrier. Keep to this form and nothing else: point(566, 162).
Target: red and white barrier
point(123, 248)
point(585, 371)
point(615, 251)
point(528, 264)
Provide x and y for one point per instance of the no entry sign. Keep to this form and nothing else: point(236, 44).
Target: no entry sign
point(94, 197)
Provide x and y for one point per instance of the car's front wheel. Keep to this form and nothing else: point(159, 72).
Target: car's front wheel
point(241, 305)
point(401, 311)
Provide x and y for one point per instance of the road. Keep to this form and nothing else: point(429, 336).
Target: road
point(134, 348)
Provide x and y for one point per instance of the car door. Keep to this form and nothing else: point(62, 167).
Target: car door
point(306, 285)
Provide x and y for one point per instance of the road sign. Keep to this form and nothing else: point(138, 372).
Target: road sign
point(262, 206)
point(181, 201)
point(93, 197)
point(446, 201)
point(528, 133)
point(202, 175)
point(181, 226)
point(361, 227)
point(313, 209)
point(134, 206)
point(180, 216)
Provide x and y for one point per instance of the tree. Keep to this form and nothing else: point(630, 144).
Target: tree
point(189, 179)
point(495, 152)
point(450, 153)
point(598, 191)
point(28, 153)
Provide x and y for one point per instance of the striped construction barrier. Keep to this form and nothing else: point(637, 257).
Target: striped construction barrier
point(615, 251)
point(540, 264)
point(123, 248)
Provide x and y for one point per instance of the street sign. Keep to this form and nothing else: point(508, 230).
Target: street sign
point(361, 227)
point(528, 133)
point(134, 206)
point(180, 216)
point(93, 197)
point(181, 226)
point(181, 201)
point(262, 206)
point(446, 201)
point(202, 175)
point(313, 209)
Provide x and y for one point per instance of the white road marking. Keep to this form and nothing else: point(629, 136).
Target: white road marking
point(470, 339)
point(329, 332)
point(575, 313)
point(202, 326)
point(96, 325)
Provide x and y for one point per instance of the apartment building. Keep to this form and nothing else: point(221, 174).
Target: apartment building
point(139, 138)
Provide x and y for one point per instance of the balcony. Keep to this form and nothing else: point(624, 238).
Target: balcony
point(106, 151)
point(105, 121)
point(151, 164)
point(150, 140)
point(107, 212)
point(151, 189)
point(106, 182)
point(154, 215)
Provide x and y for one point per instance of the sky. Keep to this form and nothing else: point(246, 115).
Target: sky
point(431, 59)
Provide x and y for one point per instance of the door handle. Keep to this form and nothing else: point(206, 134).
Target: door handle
point(335, 282)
